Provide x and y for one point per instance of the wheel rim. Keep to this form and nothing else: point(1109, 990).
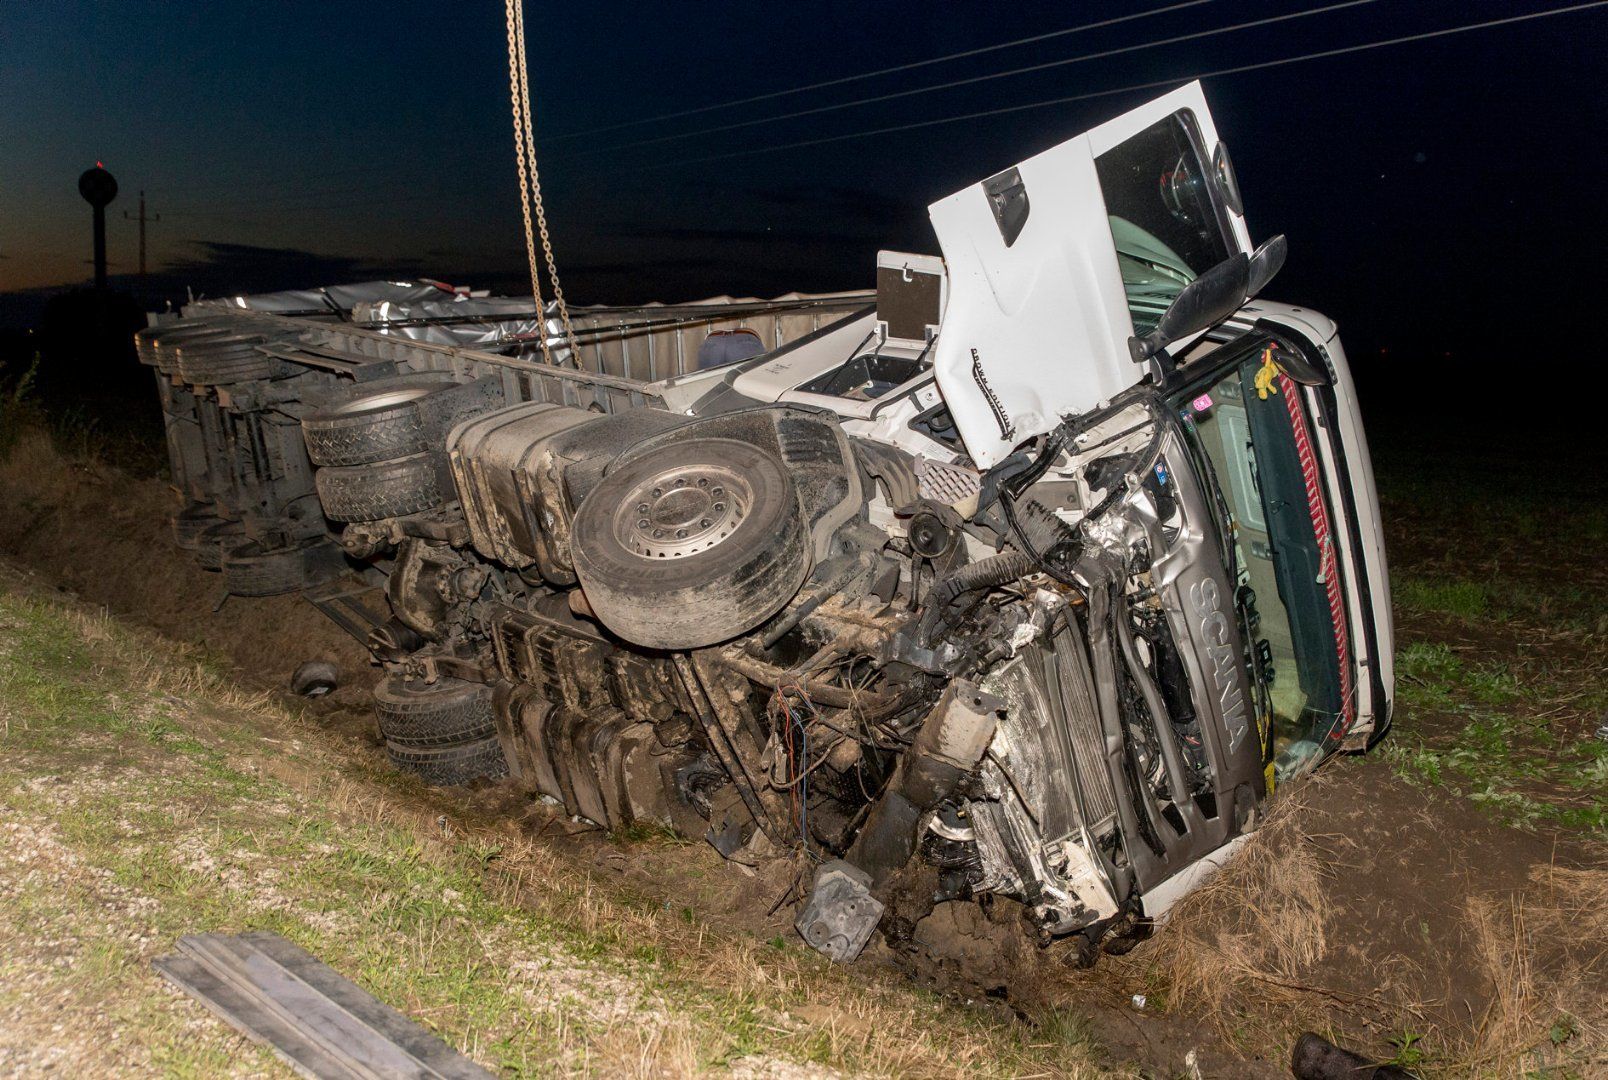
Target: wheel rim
point(399, 396)
point(683, 511)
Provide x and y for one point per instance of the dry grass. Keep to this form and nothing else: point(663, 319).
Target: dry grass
point(1546, 954)
point(521, 957)
point(1253, 951)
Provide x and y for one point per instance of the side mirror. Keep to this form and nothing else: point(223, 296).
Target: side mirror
point(1266, 260)
point(1203, 303)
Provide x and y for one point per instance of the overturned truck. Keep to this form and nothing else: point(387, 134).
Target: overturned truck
point(1030, 573)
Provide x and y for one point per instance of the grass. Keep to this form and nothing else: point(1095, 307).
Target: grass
point(1497, 742)
point(145, 796)
point(113, 431)
point(1503, 600)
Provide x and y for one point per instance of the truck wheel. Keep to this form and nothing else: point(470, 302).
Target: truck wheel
point(385, 489)
point(214, 540)
point(249, 569)
point(191, 523)
point(449, 712)
point(453, 764)
point(376, 421)
point(162, 342)
point(233, 358)
point(692, 544)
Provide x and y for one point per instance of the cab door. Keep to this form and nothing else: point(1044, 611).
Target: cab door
point(1053, 263)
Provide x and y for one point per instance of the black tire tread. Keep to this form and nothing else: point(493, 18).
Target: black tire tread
point(385, 489)
point(338, 435)
point(393, 435)
point(191, 523)
point(250, 571)
point(452, 765)
point(213, 540)
point(452, 712)
point(210, 367)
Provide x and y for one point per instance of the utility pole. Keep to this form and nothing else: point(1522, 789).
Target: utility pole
point(142, 220)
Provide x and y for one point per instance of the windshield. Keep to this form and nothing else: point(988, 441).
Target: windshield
point(1258, 444)
point(1164, 222)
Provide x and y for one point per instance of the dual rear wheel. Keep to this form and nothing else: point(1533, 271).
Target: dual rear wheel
point(444, 732)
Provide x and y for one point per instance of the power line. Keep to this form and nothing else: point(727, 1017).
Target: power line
point(1237, 70)
point(973, 79)
point(883, 71)
point(370, 168)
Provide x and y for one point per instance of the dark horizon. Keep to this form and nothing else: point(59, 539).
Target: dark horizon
point(1434, 193)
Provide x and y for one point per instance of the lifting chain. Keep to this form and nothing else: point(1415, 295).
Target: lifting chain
point(530, 184)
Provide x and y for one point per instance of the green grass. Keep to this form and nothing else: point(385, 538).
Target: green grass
point(171, 822)
point(1494, 742)
point(1558, 605)
point(1467, 599)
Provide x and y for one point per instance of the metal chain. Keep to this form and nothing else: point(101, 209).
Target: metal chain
point(515, 70)
point(530, 185)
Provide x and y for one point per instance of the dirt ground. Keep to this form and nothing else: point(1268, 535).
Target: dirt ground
point(1453, 922)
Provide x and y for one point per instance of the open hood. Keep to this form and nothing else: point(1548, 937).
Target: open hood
point(1053, 262)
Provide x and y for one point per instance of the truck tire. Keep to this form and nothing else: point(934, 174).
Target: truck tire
point(692, 544)
point(191, 523)
point(418, 715)
point(232, 358)
point(250, 569)
point(162, 342)
point(377, 421)
point(213, 541)
point(385, 489)
point(452, 765)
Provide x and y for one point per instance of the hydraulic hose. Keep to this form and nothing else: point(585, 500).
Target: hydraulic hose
point(999, 569)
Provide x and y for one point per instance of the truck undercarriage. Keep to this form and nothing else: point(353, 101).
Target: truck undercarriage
point(745, 570)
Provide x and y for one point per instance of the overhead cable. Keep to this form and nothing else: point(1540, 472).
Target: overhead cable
point(974, 79)
point(773, 94)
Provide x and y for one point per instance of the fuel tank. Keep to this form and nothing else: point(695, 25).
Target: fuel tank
point(521, 472)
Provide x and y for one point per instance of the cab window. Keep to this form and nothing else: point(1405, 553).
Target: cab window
point(1165, 222)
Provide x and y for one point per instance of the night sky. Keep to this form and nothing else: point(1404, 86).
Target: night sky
point(1443, 199)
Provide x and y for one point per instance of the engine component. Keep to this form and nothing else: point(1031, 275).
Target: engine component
point(600, 764)
point(949, 746)
point(392, 418)
point(693, 544)
point(385, 489)
point(931, 536)
point(841, 914)
point(428, 583)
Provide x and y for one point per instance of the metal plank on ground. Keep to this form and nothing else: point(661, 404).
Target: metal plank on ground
point(321, 1024)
